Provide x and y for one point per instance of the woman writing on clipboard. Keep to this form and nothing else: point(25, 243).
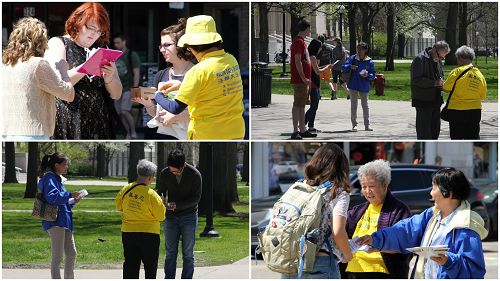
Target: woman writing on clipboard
point(88, 116)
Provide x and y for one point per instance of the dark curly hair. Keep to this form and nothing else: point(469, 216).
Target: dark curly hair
point(176, 31)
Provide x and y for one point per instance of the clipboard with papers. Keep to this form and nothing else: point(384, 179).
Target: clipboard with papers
point(99, 58)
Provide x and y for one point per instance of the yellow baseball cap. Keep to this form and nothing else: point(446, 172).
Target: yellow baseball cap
point(200, 30)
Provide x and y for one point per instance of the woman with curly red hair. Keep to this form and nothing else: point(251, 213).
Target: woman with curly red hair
point(88, 117)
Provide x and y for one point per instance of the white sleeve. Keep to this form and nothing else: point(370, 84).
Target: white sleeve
point(340, 204)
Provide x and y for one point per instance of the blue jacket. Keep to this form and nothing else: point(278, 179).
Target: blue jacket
point(465, 256)
point(52, 188)
point(357, 82)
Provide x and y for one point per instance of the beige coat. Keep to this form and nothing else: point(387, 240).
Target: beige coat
point(28, 97)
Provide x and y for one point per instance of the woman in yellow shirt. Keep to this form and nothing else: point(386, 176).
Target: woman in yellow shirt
point(142, 211)
point(465, 102)
point(382, 210)
point(212, 90)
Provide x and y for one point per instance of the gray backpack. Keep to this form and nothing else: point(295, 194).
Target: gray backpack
point(287, 243)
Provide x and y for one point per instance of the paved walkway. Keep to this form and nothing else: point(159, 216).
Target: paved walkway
point(237, 270)
point(390, 120)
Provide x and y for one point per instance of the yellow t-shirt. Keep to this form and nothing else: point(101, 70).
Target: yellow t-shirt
point(470, 88)
point(362, 261)
point(213, 91)
point(142, 209)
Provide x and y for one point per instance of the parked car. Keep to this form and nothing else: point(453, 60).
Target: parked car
point(411, 184)
point(490, 192)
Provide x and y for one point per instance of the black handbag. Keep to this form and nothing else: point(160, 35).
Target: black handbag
point(445, 112)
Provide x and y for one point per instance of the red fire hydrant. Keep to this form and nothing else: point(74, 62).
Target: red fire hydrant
point(379, 84)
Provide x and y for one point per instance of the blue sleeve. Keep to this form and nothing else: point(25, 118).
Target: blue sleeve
point(465, 258)
point(52, 193)
point(371, 71)
point(347, 65)
point(172, 106)
point(404, 234)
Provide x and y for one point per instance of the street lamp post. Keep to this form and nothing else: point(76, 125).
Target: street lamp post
point(477, 45)
point(372, 45)
point(341, 12)
point(283, 51)
point(151, 145)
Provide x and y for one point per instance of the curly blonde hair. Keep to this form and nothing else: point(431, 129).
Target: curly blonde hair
point(28, 39)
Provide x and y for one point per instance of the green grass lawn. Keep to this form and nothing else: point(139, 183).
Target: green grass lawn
point(26, 245)
point(397, 85)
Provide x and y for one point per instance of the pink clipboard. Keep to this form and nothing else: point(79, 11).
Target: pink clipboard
point(100, 58)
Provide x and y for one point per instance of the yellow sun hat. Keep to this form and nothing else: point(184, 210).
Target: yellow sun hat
point(200, 30)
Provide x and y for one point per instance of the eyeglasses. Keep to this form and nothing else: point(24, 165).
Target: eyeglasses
point(165, 46)
point(439, 56)
point(94, 30)
point(176, 171)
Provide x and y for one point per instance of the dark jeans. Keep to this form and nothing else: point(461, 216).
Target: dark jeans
point(175, 228)
point(137, 247)
point(464, 124)
point(368, 275)
point(164, 137)
point(428, 123)
point(311, 112)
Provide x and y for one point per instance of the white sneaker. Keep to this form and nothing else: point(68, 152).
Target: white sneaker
point(368, 128)
point(355, 129)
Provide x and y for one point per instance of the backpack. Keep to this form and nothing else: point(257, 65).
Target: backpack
point(287, 243)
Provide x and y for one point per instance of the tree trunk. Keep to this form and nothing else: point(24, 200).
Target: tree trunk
point(401, 45)
point(246, 165)
point(451, 33)
point(136, 153)
point(32, 175)
point(161, 160)
point(101, 161)
point(389, 58)
point(462, 24)
point(263, 32)
point(365, 22)
point(10, 163)
point(352, 27)
point(295, 17)
point(223, 178)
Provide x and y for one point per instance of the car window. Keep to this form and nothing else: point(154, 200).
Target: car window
point(402, 180)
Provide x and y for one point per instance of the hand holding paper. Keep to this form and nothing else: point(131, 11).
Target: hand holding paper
point(98, 60)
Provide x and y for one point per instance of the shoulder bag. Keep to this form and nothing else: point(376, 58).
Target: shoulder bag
point(43, 210)
point(445, 112)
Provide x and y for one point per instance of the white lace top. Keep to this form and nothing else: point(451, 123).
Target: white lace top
point(28, 94)
point(337, 207)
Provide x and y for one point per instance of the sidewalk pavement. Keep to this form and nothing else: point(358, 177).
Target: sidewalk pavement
point(237, 270)
point(390, 120)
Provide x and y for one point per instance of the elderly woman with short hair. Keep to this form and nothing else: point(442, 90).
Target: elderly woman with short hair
point(449, 222)
point(467, 86)
point(142, 211)
point(382, 210)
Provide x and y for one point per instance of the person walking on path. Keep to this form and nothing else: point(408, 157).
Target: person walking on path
point(465, 102)
point(314, 50)
point(142, 211)
point(427, 80)
point(362, 73)
point(300, 67)
point(60, 231)
point(180, 183)
point(326, 58)
point(339, 54)
point(128, 66)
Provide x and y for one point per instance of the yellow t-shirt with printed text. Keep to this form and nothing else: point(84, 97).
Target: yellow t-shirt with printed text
point(213, 91)
point(469, 90)
point(142, 209)
point(363, 261)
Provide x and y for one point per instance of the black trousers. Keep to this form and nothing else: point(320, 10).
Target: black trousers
point(368, 275)
point(428, 123)
point(137, 247)
point(464, 124)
